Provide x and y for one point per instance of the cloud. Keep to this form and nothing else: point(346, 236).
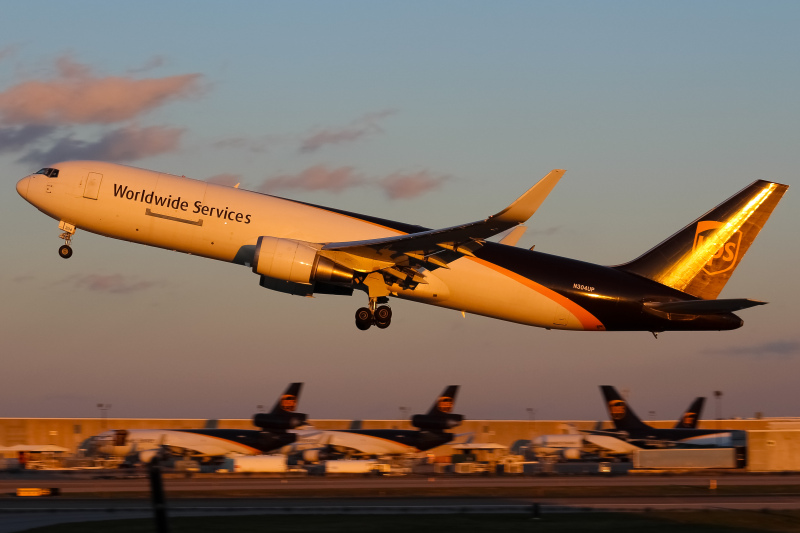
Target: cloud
point(403, 186)
point(225, 179)
point(780, 348)
point(110, 283)
point(253, 145)
point(152, 63)
point(551, 230)
point(18, 137)
point(362, 127)
point(119, 145)
point(320, 178)
point(75, 95)
point(316, 178)
point(7, 51)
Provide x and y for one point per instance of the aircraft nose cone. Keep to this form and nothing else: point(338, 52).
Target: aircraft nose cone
point(22, 186)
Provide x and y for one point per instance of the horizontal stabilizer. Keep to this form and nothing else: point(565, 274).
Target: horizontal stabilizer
point(703, 307)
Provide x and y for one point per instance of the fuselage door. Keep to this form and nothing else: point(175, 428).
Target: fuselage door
point(92, 185)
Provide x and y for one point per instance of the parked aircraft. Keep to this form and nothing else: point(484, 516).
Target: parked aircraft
point(306, 249)
point(575, 444)
point(685, 433)
point(313, 445)
point(141, 445)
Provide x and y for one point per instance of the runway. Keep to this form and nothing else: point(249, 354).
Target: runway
point(81, 482)
point(85, 499)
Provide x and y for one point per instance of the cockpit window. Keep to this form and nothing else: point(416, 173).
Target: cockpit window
point(49, 172)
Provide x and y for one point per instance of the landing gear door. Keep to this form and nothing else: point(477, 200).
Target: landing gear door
point(92, 185)
point(560, 316)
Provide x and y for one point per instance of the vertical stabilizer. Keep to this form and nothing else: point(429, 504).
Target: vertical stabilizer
point(287, 403)
point(700, 258)
point(622, 416)
point(440, 416)
point(445, 402)
point(284, 414)
point(691, 417)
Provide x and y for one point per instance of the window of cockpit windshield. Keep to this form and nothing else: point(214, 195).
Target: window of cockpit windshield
point(49, 172)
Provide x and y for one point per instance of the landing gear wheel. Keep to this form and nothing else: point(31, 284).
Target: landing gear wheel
point(363, 318)
point(65, 251)
point(383, 316)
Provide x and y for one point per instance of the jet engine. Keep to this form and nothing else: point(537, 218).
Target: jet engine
point(438, 422)
point(279, 422)
point(571, 453)
point(296, 262)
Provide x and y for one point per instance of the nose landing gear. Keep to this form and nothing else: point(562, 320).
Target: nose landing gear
point(380, 316)
point(65, 250)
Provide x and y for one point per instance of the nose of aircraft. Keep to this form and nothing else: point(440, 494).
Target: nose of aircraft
point(22, 186)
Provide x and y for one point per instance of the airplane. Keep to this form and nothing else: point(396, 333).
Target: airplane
point(305, 249)
point(575, 444)
point(684, 434)
point(142, 445)
point(314, 445)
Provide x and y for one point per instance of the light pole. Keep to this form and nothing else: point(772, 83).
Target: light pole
point(403, 413)
point(532, 419)
point(104, 407)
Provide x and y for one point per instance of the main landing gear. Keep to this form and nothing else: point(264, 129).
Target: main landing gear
point(380, 316)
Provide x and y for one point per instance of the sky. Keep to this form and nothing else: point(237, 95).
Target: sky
point(433, 113)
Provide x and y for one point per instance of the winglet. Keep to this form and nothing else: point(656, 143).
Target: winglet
point(526, 205)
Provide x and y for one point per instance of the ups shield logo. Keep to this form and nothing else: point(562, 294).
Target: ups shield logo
point(289, 402)
point(445, 404)
point(617, 409)
point(689, 418)
point(724, 258)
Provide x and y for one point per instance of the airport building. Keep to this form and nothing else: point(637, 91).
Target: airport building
point(773, 444)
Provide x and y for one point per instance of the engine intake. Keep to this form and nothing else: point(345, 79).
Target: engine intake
point(296, 262)
point(274, 422)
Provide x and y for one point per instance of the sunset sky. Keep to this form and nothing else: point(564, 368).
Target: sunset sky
point(433, 113)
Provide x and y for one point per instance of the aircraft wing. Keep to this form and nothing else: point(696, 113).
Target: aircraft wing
point(440, 246)
point(610, 443)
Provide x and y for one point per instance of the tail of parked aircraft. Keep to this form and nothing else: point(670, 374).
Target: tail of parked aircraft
point(691, 417)
point(440, 416)
point(622, 416)
point(700, 258)
point(283, 415)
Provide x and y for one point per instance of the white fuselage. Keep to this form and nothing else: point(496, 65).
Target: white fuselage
point(224, 223)
point(143, 440)
point(364, 444)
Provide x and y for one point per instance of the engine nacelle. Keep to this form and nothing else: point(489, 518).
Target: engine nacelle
point(272, 422)
point(315, 455)
point(436, 422)
point(146, 456)
point(296, 262)
point(571, 453)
